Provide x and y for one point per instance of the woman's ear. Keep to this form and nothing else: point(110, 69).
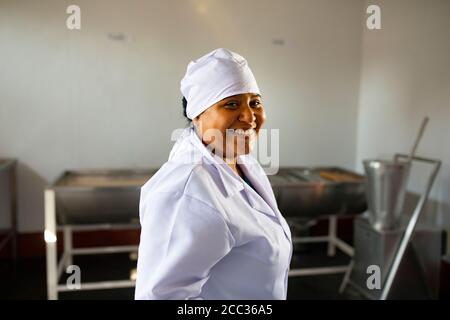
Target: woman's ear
point(196, 121)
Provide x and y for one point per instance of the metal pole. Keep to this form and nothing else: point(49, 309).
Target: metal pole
point(409, 230)
point(51, 244)
point(68, 246)
point(332, 230)
point(346, 276)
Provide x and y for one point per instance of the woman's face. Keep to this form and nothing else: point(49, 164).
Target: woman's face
point(231, 126)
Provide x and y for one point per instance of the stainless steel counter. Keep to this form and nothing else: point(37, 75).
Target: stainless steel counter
point(306, 193)
point(99, 196)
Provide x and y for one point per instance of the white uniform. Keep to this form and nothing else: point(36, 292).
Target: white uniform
point(206, 234)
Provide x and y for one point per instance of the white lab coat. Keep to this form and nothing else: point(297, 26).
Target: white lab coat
point(206, 234)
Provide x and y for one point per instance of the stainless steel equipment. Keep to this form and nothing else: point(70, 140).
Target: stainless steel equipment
point(418, 273)
point(386, 182)
point(392, 265)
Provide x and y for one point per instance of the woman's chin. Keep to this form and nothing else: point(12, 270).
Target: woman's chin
point(245, 150)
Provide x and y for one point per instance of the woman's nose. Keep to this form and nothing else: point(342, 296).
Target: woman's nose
point(247, 114)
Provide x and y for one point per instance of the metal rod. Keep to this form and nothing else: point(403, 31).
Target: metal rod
point(102, 226)
point(408, 233)
point(346, 248)
point(50, 244)
point(427, 160)
point(61, 265)
point(332, 231)
point(100, 285)
point(317, 271)
point(4, 242)
point(68, 246)
point(310, 239)
point(346, 276)
point(419, 136)
point(112, 249)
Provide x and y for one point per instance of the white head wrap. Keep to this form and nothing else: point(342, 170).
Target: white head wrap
point(213, 77)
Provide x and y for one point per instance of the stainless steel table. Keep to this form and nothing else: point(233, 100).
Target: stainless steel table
point(87, 200)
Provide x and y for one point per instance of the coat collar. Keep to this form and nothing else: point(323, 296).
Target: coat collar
point(260, 182)
point(233, 183)
point(189, 149)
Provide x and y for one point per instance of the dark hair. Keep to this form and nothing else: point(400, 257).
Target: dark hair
point(184, 109)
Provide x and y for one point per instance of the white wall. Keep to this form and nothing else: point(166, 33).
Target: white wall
point(77, 99)
point(405, 75)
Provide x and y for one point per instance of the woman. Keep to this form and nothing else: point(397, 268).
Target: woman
point(211, 228)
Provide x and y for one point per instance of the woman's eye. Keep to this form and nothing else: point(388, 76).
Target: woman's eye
point(256, 104)
point(231, 105)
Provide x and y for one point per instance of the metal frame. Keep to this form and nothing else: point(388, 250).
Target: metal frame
point(333, 242)
point(411, 225)
point(56, 267)
point(11, 165)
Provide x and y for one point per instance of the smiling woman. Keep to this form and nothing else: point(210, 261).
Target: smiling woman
point(211, 228)
point(229, 127)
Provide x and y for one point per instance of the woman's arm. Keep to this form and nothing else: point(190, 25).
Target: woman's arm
point(182, 238)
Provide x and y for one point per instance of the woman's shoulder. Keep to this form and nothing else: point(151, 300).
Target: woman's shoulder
point(191, 189)
point(198, 181)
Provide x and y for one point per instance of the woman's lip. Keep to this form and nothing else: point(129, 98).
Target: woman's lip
point(241, 132)
point(245, 128)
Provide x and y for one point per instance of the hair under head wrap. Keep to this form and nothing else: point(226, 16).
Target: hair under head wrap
point(213, 77)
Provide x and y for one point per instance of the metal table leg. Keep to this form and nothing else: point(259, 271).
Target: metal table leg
point(332, 231)
point(68, 246)
point(51, 244)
